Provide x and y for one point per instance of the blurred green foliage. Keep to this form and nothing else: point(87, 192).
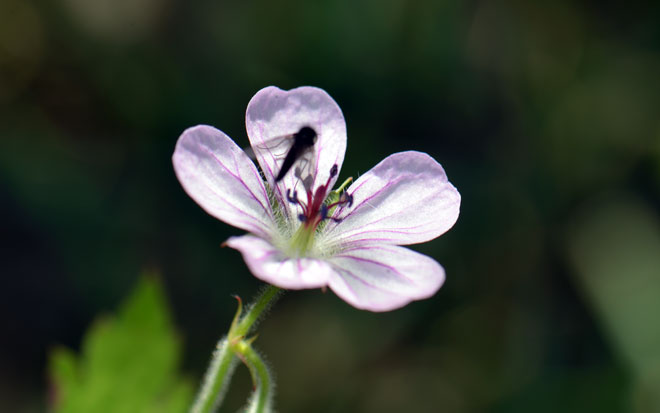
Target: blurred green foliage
point(537, 111)
point(128, 363)
point(616, 250)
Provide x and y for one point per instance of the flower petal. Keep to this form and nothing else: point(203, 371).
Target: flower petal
point(384, 277)
point(274, 113)
point(269, 264)
point(405, 199)
point(219, 176)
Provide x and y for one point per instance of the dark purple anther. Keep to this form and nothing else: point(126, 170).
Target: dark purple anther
point(294, 199)
point(348, 198)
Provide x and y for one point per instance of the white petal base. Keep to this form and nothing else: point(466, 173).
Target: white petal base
point(274, 267)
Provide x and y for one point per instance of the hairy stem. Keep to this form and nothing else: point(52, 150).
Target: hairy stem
point(260, 402)
point(224, 360)
point(217, 378)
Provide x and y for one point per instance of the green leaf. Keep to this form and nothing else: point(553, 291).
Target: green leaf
point(128, 362)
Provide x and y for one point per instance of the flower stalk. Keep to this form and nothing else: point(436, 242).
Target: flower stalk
point(234, 346)
point(261, 400)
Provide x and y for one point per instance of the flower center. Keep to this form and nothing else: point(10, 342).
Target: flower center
point(315, 209)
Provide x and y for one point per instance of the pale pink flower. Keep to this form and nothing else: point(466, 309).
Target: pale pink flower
point(302, 234)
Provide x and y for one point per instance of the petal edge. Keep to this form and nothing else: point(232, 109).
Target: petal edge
point(405, 199)
point(385, 277)
point(273, 113)
point(219, 176)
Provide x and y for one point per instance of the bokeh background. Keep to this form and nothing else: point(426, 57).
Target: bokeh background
point(545, 115)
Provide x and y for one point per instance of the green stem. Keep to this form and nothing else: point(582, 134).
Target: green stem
point(217, 378)
point(264, 301)
point(224, 358)
point(261, 400)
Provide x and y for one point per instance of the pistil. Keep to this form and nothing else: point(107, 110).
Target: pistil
point(315, 210)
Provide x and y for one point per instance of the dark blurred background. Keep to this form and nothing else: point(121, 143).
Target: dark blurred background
point(546, 117)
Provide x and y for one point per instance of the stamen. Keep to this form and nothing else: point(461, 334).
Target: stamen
point(319, 206)
point(293, 199)
point(346, 198)
point(324, 214)
point(307, 181)
point(333, 173)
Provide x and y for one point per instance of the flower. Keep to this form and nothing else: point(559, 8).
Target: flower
point(301, 233)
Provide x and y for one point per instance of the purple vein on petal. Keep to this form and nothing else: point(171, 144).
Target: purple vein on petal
point(360, 280)
point(358, 205)
point(239, 179)
point(355, 231)
point(376, 263)
point(397, 230)
point(361, 184)
point(362, 239)
point(392, 231)
point(220, 197)
point(352, 244)
point(256, 174)
point(370, 197)
point(251, 218)
point(263, 188)
point(267, 255)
